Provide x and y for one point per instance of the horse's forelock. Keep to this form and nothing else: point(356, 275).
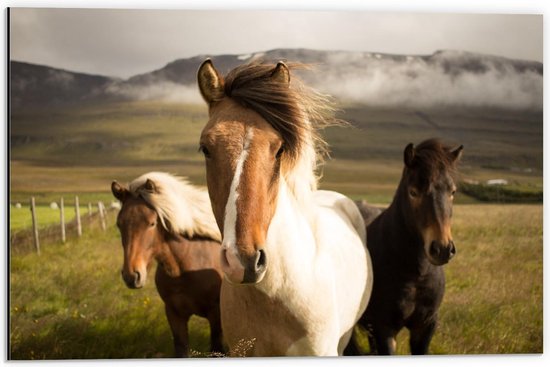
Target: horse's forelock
point(434, 156)
point(293, 110)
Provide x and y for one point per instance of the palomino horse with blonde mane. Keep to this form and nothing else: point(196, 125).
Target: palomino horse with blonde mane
point(166, 219)
point(297, 271)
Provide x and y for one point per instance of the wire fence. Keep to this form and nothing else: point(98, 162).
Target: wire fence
point(31, 239)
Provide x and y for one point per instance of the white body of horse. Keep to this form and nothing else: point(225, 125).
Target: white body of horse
point(316, 287)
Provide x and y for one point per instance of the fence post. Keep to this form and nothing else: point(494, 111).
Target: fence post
point(77, 212)
point(101, 210)
point(35, 227)
point(105, 219)
point(62, 215)
point(89, 210)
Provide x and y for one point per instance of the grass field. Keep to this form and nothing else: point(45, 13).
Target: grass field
point(46, 216)
point(72, 303)
point(83, 309)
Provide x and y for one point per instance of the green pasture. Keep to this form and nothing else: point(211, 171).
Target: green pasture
point(88, 147)
point(22, 219)
point(70, 302)
point(83, 149)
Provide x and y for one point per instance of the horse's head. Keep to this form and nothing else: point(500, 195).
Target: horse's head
point(244, 154)
point(140, 232)
point(428, 188)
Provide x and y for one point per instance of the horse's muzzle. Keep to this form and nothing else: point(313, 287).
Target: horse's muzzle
point(241, 269)
point(441, 254)
point(133, 280)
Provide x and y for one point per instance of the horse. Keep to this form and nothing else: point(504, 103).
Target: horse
point(297, 271)
point(165, 218)
point(368, 212)
point(409, 243)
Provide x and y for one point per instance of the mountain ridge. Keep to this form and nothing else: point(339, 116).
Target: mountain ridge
point(446, 77)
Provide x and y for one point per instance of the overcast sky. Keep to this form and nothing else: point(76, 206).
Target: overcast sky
point(123, 43)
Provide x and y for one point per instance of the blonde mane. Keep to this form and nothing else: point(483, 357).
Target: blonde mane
point(182, 208)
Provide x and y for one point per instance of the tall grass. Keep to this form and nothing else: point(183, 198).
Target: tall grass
point(70, 302)
point(493, 300)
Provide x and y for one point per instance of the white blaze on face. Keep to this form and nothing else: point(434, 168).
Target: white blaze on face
point(230, 220)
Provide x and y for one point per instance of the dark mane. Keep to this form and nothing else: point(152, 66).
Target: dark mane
point(434, 152)
point(296, 111)
point(431, 157)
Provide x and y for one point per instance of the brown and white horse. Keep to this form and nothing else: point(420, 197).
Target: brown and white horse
point(297, 271)
point(166, 219)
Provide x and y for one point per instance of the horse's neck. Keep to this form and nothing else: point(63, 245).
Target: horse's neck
point(290, 240)
point(174, 253)
point(301, 180)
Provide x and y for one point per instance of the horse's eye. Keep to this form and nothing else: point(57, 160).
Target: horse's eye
point(204, 151)
point(280, 152)
point(413, 193)
point(152, 224)
point(453, 193)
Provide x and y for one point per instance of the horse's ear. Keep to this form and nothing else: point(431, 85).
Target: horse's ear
point(150, 186)
point(119, 192)
point(457, 153)
point(408, 155)
point(211, 84)
point(281, 74)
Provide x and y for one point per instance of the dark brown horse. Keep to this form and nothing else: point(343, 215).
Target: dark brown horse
point(166, 219)
point(409, 242)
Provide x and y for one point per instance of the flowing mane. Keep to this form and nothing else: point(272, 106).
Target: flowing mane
point(295, 111)
point(182, 208)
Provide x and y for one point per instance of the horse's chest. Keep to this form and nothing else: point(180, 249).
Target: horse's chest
point(190, 293)
point(419, 300)
point(406, 300)
point(250, 316)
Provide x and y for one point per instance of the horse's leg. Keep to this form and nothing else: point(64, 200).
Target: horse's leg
point(178, 325)
point(421, 337)
point(384, 341)
point(372, 343)
point(214, 318)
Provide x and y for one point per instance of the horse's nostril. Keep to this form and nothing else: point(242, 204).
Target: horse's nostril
point(254, 266)
point(452, 250)
point(225, 261)
point(434, 249)
point(137, 276)
point(441, 254)
point(261, 260)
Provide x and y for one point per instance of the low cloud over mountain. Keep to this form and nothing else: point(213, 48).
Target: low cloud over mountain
point(446, 78)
